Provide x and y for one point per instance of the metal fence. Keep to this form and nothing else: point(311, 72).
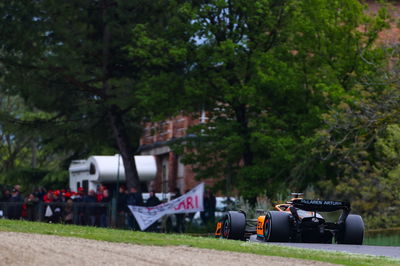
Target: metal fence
point(89, 214)
point(79, 213)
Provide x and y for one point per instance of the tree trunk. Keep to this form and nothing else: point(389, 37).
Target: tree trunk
point(125, 148)
point(115, 114)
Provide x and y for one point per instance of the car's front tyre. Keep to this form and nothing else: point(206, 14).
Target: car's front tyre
point(234, 225)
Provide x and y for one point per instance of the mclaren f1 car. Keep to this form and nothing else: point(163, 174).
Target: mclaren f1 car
point(298, 220)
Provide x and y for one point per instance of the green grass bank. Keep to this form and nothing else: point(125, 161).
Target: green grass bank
point(141, 238)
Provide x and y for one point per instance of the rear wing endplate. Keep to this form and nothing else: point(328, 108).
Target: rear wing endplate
point(321, 205)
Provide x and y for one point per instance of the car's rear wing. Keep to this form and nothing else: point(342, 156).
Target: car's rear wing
point(321, 205)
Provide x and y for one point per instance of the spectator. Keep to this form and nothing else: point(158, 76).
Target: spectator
point(121, 207)
point(90, 207)
point(49, 210)
point(104, 208)
point(67, 195)
point(206, 204)
point(211, 206)
point(57, 207)
point(180, 217)
point(62, 196)
point(68, 214)
point(209, 201)
point(57, 195)
point(49, 197)
point(40, 193)
point(99, 192)
point(18, 188)
point(151, 202)
point(15, 208)
point(31, 207)
point(78, 198)
point(6, 195)
point(134, 198)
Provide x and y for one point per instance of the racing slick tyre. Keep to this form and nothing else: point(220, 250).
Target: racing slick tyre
point(234, 225)
point(353, 232)
point(277, 227)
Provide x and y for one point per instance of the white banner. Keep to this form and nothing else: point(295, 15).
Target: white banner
point(190, 202)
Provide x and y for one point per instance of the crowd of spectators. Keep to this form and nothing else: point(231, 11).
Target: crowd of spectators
point(91, 208)
point(57, 205)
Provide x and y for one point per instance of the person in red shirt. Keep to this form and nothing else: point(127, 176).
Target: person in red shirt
point(48, 210)
point(78, 198)
point(49, 197)
point(99, 192)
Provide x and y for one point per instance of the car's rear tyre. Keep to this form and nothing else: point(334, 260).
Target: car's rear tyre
point(353, 231)
point(234, 225)
point(277, 227)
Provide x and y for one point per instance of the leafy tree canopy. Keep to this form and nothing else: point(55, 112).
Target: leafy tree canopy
point(265, 73)
point(97, 68)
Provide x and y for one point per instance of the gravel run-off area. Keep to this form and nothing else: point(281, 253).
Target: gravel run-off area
point(34, 249)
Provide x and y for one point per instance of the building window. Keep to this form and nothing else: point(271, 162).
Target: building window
point(164, 175)
point(181, 174)
point(92, 169)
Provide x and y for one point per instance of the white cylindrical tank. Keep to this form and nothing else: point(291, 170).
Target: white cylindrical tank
point(105, 168)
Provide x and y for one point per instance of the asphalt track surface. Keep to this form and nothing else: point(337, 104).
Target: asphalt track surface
point(387, 251)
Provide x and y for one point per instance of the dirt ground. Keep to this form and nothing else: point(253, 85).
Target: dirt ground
point(43, 250)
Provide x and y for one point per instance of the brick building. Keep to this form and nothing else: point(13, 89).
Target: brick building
point(388, 37)
point(172, 173)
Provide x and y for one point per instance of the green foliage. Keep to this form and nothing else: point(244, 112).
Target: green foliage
point(95, 69)
point(32, 178)
point(20, 145)
point(28, 178)
point(361, 142)
point(80, 77)
point(252, 210)
point(265, 73)
point(55, 180)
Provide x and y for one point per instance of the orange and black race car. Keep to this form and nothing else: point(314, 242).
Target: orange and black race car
point(297, 220)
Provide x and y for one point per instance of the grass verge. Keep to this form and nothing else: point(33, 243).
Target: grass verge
point(123, 236)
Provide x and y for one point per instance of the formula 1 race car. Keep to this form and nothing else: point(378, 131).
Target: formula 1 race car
point(297, 220)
